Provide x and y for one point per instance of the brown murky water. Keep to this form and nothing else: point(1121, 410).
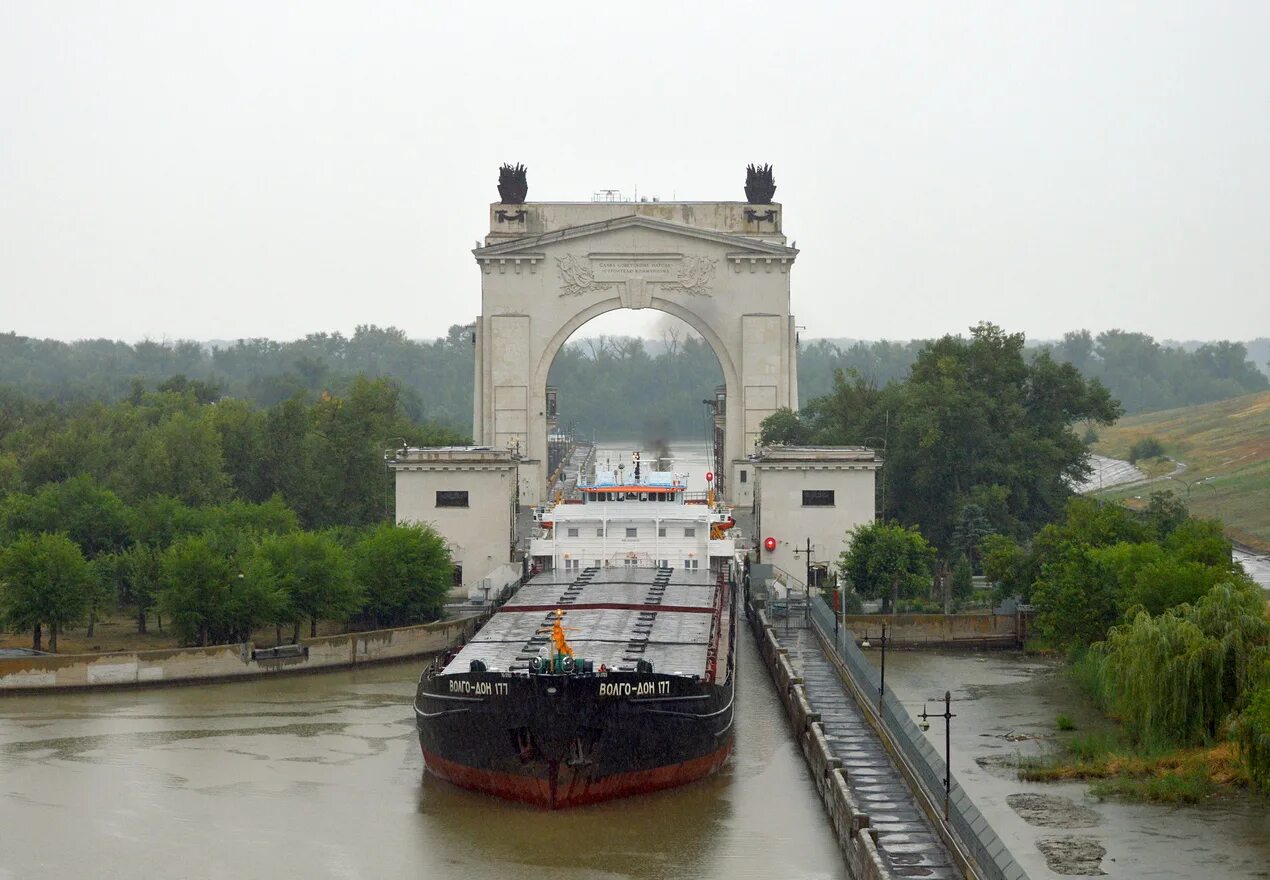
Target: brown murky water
point(1006, 706)
point(320, 776)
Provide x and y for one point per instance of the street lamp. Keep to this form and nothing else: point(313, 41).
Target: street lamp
point(864, 643)
point(1188, 484)
point(925, 725)
point(807, 582)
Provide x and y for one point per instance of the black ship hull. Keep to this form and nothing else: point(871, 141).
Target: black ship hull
point(567, 740)
point(561, 740)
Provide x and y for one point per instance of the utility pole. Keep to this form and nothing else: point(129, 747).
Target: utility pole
point(806, 583)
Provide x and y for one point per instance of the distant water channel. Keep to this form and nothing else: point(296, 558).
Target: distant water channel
point(1006, 705)
point(320, 776)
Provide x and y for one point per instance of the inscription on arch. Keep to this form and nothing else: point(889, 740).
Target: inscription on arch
point(675, 273)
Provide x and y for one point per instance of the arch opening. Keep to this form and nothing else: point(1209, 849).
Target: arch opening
point(662, 391)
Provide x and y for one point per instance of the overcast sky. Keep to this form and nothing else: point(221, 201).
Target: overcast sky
point(219, 170)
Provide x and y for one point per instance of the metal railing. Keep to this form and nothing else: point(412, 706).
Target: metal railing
point(985, 847)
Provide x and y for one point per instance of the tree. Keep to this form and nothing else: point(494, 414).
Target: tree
point(209, 597)
point(315, 573)
point(44, 579)
point(140, 578)
point(195, 579)
point(976, 423)
point(406, 572)
point(971, 528)
point(887, 561)
point(963, 581)
point(783, 427)
point(91, 516)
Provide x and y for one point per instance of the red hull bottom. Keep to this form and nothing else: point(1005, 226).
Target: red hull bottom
point(566, 792)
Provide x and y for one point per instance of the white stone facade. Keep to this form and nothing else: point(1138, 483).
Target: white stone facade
point(549, 267)
point(812, 493)
point(468, 494)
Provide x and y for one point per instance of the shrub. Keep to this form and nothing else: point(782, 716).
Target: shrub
point(1064, 722)
point(1147, 447)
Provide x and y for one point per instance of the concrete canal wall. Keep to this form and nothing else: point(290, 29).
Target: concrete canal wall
point(858, 841)
point(977, 629)
point(221, 662)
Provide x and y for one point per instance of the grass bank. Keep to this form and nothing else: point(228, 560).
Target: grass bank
point(1115, 769)
point(1225, 444)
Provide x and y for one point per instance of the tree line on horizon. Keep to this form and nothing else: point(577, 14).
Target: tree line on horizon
point(620, 386)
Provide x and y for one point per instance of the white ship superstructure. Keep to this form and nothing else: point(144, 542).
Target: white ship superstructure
point(644, 520)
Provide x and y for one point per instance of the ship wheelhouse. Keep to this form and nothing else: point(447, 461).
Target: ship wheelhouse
point(646, 521)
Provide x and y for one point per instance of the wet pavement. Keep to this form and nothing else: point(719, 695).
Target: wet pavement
point(906, 840)
point(320, 776)
point(1006, 707)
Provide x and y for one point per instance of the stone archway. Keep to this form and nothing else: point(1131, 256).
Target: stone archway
point(548, 268)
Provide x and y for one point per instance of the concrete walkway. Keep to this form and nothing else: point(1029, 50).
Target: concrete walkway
point(905, 839)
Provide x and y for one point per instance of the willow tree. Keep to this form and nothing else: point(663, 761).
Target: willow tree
point(1178, 677)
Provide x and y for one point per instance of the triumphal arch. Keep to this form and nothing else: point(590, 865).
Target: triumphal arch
point(549, 267)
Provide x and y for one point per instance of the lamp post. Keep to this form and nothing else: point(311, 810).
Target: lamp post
point(1188, 483)
point(925, 725)
point(866, 644)
point(807, 583)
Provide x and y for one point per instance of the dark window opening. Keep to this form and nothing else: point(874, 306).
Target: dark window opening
point(818, 498)
point(451, 499)
point(458, 576)
point(745, 476)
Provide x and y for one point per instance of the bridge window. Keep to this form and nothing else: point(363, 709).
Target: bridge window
point(818, 498)
point(573, 533)
point(661, 531)
point(599, 533)
point(451, 499)
point(690, 533)
point(691, 564)
point(745, 475)
point(632, 533)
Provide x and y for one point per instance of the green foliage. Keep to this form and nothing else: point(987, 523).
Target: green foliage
point(314, 572)
point(1008, 565)
point(1176, 678)
point(962, 581)
point(1252, 732)
point(1147, 447)
point(44, 579)
point(1075, 597)
point(1064, 722)
point(1102, 562)
point(93, 517)
point(783, 427)
point(405, 572)
point(618, 386)
point(969, 532)
point(887, 561)
point(209, 599)
point(977, 430)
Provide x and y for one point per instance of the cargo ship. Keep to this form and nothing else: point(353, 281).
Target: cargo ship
point(610, 673)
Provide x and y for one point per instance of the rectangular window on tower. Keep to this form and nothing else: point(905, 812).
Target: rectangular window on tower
point(818, 498)
point(745, 476)
point(451, 498)
point(632, 533)
point(573, 533)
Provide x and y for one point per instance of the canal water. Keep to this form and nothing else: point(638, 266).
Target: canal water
point(1006, 705)
point(320, 776)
